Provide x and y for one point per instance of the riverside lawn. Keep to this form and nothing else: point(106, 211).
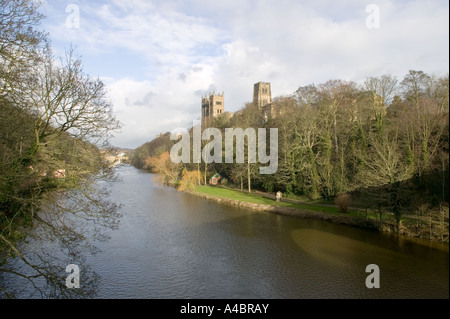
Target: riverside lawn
point(288, 206)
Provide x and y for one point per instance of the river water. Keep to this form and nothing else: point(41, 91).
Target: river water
point(175, 245)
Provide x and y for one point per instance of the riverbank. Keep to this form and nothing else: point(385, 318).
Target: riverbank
point(410, 227)
point(262, 204)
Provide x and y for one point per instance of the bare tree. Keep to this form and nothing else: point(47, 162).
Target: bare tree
point(307, 95)
point(385, 170)
point(414, 85)
point(65, 99)
point(384, 86)
point(438, 90)
point(20, 39)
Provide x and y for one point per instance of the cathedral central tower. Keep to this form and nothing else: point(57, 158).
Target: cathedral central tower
point(262, 94)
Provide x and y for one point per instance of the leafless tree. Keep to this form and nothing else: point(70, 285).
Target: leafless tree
point(64, 98)
point(384, 86)
point(20, 39)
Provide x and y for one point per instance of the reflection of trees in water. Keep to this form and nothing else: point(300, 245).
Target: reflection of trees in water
point(64, 232)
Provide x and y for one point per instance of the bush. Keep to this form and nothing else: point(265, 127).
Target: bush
point(189, 180)
point(343, 202)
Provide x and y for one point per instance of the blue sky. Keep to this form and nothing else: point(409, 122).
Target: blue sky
point(158, 58)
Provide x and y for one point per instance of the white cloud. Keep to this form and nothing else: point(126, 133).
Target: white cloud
point(190, 47)
point(146, 109)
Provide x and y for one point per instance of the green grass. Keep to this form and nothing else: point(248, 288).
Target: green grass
point(359, 214)
point(314, 207)
point(258, 199)
point(305, 199)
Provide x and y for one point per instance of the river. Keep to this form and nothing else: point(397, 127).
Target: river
point(176, 245)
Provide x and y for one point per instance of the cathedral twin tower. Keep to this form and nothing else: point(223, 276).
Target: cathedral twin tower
point(262, 94)
point(214, 104)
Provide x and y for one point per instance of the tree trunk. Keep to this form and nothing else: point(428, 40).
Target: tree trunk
point(249, 178)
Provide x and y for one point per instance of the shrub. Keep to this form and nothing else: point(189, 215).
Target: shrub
point(343, 202)
point(189, 180)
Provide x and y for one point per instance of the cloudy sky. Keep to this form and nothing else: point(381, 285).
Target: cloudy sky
point(159, 57)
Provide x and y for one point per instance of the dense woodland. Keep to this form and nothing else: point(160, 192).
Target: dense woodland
point(382, 145)
point(53, 117)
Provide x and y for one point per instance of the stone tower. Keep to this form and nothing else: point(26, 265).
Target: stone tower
point(212, 105)
point(262, 94)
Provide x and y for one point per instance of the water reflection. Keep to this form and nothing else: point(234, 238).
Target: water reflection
point(175, 245)
point(65, 232)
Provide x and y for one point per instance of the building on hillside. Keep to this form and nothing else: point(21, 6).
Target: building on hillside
point(262, 98)
point(262, 94)
point(212, 105)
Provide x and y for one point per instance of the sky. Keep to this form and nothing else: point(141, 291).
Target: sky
point(158, 58)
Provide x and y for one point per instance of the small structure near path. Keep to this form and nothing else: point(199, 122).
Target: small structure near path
point(278, 196)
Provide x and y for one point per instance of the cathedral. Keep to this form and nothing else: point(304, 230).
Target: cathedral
point(214, 104)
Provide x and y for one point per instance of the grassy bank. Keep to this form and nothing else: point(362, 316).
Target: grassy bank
point(304, 210)
point(258, 199)
point(410, 226)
